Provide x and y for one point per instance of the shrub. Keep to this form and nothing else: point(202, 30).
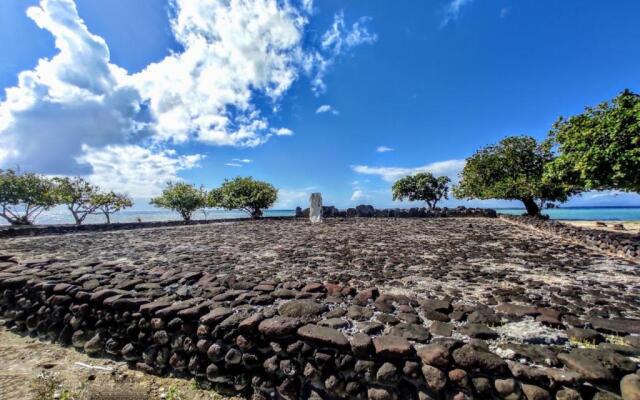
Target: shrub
point(422, 187)
point(109, 203)
point(511, 170)
point(24, 196)
point(181, 197)
point(246, 194)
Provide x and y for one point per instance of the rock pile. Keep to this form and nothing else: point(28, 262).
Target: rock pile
point(368, 211)
point(229, 306)
point(626, 244)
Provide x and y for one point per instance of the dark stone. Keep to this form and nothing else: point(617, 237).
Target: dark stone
point(392, 346)
point(434, 354)
point(417, 333)
point(301, 309)
point(469, 357)
point(278, 326)
point(323, 336)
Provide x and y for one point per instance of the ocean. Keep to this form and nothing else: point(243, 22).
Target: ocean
point(584, 213)
point(62, 216)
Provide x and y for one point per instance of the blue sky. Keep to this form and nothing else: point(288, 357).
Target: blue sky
point(332, 96)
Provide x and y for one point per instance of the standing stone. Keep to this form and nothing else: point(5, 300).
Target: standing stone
point(315, 210)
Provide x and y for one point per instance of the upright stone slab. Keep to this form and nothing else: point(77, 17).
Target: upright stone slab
point(315, 210)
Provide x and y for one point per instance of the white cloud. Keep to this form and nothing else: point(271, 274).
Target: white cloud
point(283, 132)
point(138, 171)
point(359, 195)
point(233, 165)
point(78, 104)
point(384, 149)
point(75, 98)
point(452, 11)
point(450, 168)
point(242, 160)
point(336, 41)
point(326, 108)
point(291, 198)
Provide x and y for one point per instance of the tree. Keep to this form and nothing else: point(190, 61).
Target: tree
point(600, 148)
point(181, 197)
point(246, 194)
point(511, 170)
point(422, 187)
point(109, 203)
point(77, 194)
point(24, 196)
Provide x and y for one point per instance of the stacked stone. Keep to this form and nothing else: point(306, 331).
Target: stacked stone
point(293, 339)
point(368, 211)
point(626, 244)
point(9, 231)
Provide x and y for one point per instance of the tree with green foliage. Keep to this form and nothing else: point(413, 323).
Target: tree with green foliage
point(512, 170)
point(77, 194)
point(422, 187)
point(246, 194)
point(181, 197)
point(110, 203)
point(600, 148)
point(24, 196)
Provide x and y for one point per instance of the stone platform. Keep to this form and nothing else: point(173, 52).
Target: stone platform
point(358, 308)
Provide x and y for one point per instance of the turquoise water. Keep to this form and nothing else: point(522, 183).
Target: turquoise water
point(61, 216)
point(585, 213)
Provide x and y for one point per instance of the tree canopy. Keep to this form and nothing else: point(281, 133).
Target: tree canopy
point(246, 194)
point(422, 187)
point(111, 202)
point(24, 196)
point(181, 197)
point(77, 194)
point(511, 170)
point(600, 148)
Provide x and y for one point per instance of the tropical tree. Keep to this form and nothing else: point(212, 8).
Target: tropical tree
point(600, 148)
point(24, 196)
point(422, 187)
point(110, 203)
point(181, 197)
point(512, 170)
point(246, 194)
point(77, 195)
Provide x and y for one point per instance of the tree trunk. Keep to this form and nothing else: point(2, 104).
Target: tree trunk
point(531, 206)
point(256, 214)
point(107, 217)
point(24, 220)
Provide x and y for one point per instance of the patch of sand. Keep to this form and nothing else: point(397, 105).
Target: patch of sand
point(630, 226)
point(38, 370)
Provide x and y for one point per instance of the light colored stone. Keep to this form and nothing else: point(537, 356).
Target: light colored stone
point(315, 207)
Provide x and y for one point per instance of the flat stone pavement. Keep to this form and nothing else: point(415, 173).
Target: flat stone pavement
point(470, 260)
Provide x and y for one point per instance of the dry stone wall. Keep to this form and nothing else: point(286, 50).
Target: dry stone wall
point(624, 243)
point(368, 211)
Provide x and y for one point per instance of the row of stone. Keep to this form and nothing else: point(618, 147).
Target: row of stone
point(625, 244)
point(287, 351)
point(368, 211)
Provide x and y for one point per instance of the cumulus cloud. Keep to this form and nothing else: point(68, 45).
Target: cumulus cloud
point(283, 132)
point(452, 11)
point(450, 168)
point(326, 108)
point(135, 170)
point(75, 98)
point(291, 198)
point(383, 149)
point(78, 104)
point(359, 195)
